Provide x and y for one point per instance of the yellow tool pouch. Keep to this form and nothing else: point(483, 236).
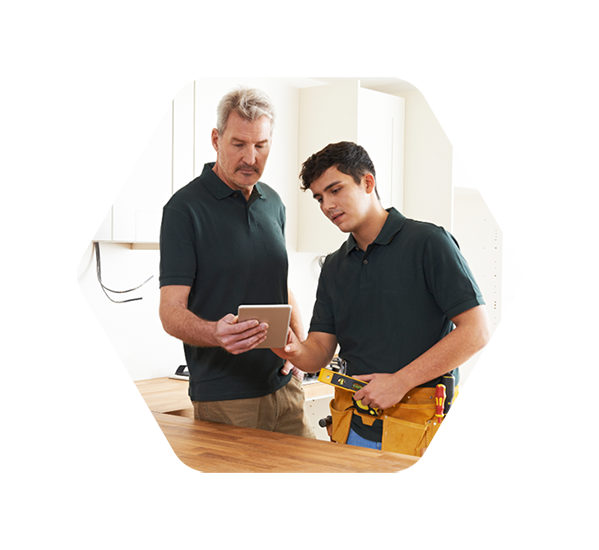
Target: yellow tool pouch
point(408, 427)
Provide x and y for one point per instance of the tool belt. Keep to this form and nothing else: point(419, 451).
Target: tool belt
point(408, 427)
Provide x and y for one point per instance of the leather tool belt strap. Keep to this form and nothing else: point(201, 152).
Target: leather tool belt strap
point(408, 427)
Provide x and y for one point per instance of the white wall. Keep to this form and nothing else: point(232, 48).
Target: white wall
point(133, 328)
point(444, 112)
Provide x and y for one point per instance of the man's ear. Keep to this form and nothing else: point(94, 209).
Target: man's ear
point(214, 139)
point(370, 182)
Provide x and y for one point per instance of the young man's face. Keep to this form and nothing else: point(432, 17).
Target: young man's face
point(342, 200)
point(242, 151)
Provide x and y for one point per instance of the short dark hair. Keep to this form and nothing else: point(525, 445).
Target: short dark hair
point(348, 157)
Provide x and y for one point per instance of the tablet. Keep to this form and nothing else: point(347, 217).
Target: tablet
point(276, 316)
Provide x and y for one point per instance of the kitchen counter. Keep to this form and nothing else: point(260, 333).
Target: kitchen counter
point(213, 447)
point(148, 426)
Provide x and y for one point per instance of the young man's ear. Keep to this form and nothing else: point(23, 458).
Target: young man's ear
point(370, 182)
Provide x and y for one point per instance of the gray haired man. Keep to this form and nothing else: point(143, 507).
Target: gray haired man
point(222, 244)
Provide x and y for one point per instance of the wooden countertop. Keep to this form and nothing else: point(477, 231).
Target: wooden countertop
point(212, 447)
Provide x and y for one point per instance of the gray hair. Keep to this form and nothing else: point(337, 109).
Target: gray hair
point(249, 103)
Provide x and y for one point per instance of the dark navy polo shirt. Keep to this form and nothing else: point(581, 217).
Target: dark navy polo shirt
point(230, 252)
point(391, 303)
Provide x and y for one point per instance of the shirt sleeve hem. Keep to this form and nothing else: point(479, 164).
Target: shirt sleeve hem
point(321, 328)
point(465, 306)
point(170, 281)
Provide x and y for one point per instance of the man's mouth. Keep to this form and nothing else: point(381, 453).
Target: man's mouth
point(335, 217)
point(246, 169)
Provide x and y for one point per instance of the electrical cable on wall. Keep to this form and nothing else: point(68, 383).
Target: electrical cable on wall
point(105, 289)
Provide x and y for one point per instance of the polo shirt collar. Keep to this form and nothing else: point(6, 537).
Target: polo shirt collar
point(393, 224)
point(219, 188)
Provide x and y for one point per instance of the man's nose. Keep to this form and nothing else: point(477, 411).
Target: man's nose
point(249, 156)
point(327, 204)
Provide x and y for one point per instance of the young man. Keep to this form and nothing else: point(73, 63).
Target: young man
point(390, 297)
point(222, 244)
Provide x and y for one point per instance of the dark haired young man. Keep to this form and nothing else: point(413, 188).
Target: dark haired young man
point(399, 299)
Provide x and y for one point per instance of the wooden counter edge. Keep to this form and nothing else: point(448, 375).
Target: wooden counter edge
point(221, 448)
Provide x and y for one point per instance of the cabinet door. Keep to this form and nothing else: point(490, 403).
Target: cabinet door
point(327, 114)
point(135, 146)
point(346, 112)
point(381, 121)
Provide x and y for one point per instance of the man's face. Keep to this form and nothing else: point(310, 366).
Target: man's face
point(342, 200)
point(242, 151)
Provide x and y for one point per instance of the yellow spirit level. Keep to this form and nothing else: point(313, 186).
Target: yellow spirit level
point(346, 383)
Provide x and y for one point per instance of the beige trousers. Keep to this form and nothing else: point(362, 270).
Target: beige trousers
point(281, 411)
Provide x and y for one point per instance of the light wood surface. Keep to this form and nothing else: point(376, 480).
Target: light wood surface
point(148, 426)
point(220, 448)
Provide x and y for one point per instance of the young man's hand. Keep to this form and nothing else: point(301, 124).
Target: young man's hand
point(291, 349)
point(314, 353)
point(382, 391)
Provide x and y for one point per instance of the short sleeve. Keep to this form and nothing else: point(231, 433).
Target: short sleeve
point(323, 317)
point(448, 275)
point(178, 262)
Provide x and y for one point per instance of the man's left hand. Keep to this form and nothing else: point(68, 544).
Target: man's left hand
point(287, 367)
point(382, 391)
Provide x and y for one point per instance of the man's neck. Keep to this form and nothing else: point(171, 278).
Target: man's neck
point(371, 229)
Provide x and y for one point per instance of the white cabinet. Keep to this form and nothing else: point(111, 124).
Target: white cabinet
point(134, 148)
point(347, 112)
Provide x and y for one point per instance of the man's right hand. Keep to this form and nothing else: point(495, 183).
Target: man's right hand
point(227, 333)
point(291, 349)
point(238, 337)
point(314, 353)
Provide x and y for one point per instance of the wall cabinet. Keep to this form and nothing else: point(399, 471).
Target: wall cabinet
point(345, 111)
point(134, 148)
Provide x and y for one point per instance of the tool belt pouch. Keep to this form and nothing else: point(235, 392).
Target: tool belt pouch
point(410, 426)
point(408, 438)
point(341, 413)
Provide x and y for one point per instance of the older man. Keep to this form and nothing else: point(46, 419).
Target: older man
point(222, 244)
